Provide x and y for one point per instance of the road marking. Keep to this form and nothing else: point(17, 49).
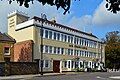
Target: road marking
point(102, 78)
point(115, 77)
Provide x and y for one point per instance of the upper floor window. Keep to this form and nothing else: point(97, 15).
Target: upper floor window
point(50, 34)
point(58, 36)
point(46, 33)
point(55, 35)
point(6, 51)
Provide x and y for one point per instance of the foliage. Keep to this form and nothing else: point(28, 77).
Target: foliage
point(112, 50)
point(112, 5)
point(64, 4)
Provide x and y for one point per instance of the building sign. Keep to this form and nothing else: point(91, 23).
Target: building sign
point(76, 46)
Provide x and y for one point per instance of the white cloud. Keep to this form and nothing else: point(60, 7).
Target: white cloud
point(102, 17)
point(83, 23)
point(34, 10)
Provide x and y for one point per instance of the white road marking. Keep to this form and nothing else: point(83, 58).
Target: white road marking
point(115, 77)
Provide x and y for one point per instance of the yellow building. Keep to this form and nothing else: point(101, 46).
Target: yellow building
point(6, 47)
point(63, 48)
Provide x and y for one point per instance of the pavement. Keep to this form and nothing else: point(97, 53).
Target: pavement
point(22, 77)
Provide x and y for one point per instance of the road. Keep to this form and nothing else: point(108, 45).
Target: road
point(82, 76)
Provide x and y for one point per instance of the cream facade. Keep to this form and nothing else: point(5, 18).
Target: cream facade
point(63, 48)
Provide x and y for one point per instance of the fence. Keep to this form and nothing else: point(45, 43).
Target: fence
point(18, 68)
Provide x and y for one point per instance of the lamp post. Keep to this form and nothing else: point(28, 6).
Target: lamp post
point(43, 16)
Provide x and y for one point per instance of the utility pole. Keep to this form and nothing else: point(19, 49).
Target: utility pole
point(43, 16)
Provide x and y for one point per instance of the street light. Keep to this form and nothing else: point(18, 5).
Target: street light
point(43, 16)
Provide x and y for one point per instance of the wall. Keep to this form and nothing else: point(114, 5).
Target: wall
point(23, 51)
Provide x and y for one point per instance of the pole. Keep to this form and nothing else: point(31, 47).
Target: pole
point(41, 61)
point(43, 16)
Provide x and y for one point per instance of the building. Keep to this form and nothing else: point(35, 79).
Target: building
point(63, 48)
point(6, 47)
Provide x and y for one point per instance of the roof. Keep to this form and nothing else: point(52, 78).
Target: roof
point(63, 26)
point(5, 37)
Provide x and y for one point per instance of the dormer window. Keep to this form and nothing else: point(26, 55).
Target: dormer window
point(6, 51)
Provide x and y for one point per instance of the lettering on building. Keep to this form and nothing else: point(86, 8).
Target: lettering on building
point(76, 46)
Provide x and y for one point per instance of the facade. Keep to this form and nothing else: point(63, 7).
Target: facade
point(6, 47)
point(63, 48)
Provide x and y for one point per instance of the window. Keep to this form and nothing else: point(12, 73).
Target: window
point(74, 52)
point(81, 65)
point(46, 33)
point(71, 39)
point(58, 36)
point(62, 50)
point(65, 37)
point(6, 50)
point(75, 40)
point(65, 64)
point(68, 38)
point(55, 50)
point(69, 51)
point(50, 49)
point(58, 51)
point(46, 49)
point(50, 34)
point(68, 64)
point(61, 37)
point(72, 64)
point(46, 63)
point(77, 54)
point(55, 35)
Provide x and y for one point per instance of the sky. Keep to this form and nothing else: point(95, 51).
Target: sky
point(86, 15)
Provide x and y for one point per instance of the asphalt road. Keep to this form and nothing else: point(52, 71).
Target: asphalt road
point(82, 76)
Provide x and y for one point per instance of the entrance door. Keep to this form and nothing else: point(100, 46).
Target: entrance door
point(56, 66)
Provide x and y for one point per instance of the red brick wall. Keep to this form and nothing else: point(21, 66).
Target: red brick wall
point(23, 51)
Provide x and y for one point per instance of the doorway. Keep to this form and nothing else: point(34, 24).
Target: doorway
point(56, 66)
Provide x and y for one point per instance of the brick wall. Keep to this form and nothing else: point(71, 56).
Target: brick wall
point(23, 51)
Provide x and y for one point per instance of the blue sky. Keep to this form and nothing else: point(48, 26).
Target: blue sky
point(85, 15)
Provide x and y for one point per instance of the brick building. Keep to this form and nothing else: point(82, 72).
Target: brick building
point(6, 47)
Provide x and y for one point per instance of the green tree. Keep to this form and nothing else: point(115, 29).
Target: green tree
point(112, 5)
point(112, 49)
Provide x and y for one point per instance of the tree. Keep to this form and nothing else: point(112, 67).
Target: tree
point(112, 5)
point(112, 50)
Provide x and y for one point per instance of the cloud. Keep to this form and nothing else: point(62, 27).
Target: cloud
point(102, 17)
point(83, 23)
point(34, 10)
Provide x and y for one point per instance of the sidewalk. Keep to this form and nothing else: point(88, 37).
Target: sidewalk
point(32, 75)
